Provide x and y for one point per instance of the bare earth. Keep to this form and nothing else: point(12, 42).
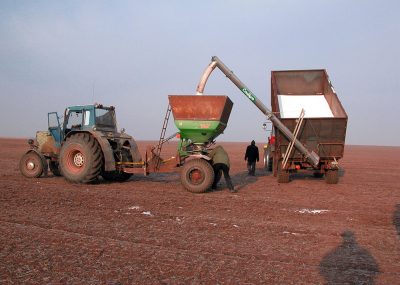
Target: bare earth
point(150, 231)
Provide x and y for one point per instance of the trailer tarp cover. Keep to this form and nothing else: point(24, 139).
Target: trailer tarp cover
point(315, 106)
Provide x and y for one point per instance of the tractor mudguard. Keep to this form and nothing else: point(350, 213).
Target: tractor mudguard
point(108, 154)
point(43, 158)
point(134, 150)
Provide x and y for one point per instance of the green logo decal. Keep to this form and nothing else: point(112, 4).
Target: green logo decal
point(249, 95)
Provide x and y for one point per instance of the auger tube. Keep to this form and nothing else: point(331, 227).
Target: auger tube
point(311, 157)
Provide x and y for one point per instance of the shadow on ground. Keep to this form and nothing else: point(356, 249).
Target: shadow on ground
point(304, 175)
point(396, 219)
point(349, 263)
point(242, 179)
point(167, 177)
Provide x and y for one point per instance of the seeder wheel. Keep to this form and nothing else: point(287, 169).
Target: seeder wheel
point(197, 175)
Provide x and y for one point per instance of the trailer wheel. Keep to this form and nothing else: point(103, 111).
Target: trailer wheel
point(283, 175)
point(31, 165)
point(81, 158)
point(197, 175)
point(332, 176)
point(116, 176)
point(268, 160)
point(55, 168)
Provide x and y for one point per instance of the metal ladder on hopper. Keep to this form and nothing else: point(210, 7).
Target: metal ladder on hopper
point(163, 131)
point(162, 139)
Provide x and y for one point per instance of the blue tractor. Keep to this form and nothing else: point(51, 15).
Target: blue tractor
point(83, 147)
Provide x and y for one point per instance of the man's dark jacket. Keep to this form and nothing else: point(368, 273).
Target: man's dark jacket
point(252, 153)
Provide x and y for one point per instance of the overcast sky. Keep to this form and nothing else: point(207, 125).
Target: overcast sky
point(133, 54)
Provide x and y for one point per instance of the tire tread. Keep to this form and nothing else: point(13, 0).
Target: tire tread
point(94, 154)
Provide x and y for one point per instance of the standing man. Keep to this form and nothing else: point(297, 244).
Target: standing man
point(252, 156)
point(220, 162)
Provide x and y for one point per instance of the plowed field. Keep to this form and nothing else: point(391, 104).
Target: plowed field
point(149, 230)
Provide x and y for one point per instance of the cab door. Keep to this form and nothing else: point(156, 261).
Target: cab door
point(55, 128)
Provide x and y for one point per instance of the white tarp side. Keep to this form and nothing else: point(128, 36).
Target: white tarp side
point(315, 106)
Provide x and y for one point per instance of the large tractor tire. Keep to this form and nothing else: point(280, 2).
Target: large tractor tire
point(197, 175)
point(116, 176)
point(55, 168)
point(332, 176)
point(81, 158)
point(31, 165)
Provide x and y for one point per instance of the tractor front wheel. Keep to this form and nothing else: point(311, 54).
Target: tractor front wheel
point(81, 158)
point(197, 175)
point(31, 165)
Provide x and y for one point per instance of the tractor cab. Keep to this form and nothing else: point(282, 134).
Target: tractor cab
point(82, 118)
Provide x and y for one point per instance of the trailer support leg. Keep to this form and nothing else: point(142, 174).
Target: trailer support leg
point(291, 144)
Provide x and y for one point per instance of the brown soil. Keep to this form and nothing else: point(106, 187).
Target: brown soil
point(150, 231)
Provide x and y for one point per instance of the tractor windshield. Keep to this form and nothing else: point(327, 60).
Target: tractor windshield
point(105, 118)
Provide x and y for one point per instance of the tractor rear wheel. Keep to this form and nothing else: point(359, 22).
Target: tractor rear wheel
point(332, 176)
point(81, 158)
point(116, 176)
point(197, 175)
point(31, 165)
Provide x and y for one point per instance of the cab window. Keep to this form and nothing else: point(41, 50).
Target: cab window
point(87, 118)
point(74, 120)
